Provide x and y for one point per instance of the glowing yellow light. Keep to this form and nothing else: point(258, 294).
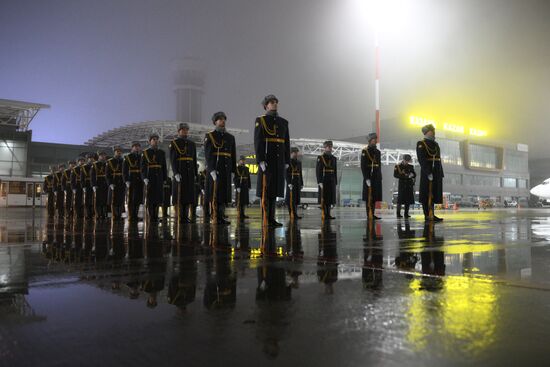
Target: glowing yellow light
point(421, 121)
point(253, 168)
point(477, 132)
point(453, 128)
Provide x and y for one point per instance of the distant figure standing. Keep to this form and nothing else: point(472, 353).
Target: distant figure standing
point(295, 183)
point(372, 175)
point(242, 186)
point(326, 172)
point(404, 171)
point(99, 185)
point(154, 174)
point(431, 173)
point(131, 171)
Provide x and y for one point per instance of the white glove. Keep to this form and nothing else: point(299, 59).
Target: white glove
point(84, 190)
point(286, 166)
point(128, 184)
point(321, 185)
point(290, 186)
point(431, 177)
point(64, 191)
point(238, 189)
point(411, 175)
point(112, 187)
point(177, 177)
point(94, 188)
point(367, 181)
point(214, 175)
point(202, 191)
point(146, 181)
point(263, 166)
point(74, 191)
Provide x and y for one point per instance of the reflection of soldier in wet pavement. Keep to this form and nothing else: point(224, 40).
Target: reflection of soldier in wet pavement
point(294, 248)
point(156, 267)
point(406, 260)
point(58, 190)
point(49, 189)
point(327, 261)
point(135, 257)
point(117, 249)
point(221, 280)
point(373, 257)
point(433, 260)
point(183, 284)
point(76, 186)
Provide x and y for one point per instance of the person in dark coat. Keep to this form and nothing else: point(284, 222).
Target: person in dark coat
point(99, 185)
point(204, 200)
point(131, 171)
point(115, 180)
point(404, 171)
point(76, 186)
point(87, 187)
point(295, 183)
point(220, 154)
point(154, 173)
point(67, 189)
point(167, 188)
point(431, 173)
point(183, 159)
point(49, 189)
point(59, 192)
point(272, 147)
point(372, 175)
point(242, 186)
point(326, 171)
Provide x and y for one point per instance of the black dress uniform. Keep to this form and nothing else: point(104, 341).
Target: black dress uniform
point(371, 169)
point(59, 193)
point(294, 177)
point(242, 182)
point(405, 189)
point(131, 171)
point(220, 155)
point(86, 182)
point(49, 190)
point(99, 182)
point(117, 195)
point(68, 191)
point(204, 200)
point(272, 146)
point(326, 171)
point(166, 196)
point(77, 191)
point(153, 168)
point(431, 192)
point(183, 159)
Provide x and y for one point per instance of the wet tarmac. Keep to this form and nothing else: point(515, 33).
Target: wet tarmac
point(474, 289)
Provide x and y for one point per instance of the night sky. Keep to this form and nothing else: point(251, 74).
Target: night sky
point(102, 64)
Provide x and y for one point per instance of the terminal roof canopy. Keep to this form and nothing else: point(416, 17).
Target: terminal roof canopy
point(167, 130)
point(18, 114)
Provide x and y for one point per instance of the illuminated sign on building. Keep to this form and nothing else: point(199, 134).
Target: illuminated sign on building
point(455, 128)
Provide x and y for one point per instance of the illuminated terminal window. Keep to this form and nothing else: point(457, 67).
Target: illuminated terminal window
point(453, 179)
point(509, 182)
point(450, 152)
point(522, 183)
point(482, 156)
point(477, 180)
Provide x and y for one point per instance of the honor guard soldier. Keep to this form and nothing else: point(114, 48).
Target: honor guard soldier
point(166, 197)
point(115, 180)
point(242, 186)
point(131, 171)
point(183, 159)
point(220, 154)
point(205, 201)
point(272, 146)
point(372, 175)
point(50, 191)
point(431, 173)
point(154, 173)
point(76, 186)
point(59, 192)
point(99, 185)
point(326, 172)
point(67, 189)
point(197, 196)
point(87, 187)
point(404, 171)
point(295, 183)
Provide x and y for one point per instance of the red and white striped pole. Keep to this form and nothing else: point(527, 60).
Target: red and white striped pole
point(377, 84)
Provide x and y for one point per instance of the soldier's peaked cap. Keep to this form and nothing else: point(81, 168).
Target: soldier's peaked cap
point(242, 158)
point(101, 152)
point(427, 128)
point(327, 143)
point(372, 136)
point(407, 157)
point(294, 150)
point(183, 125)
point(115, 148)
point(218, 115)
point(269, 98)
point(154, 136)
point(136, 144)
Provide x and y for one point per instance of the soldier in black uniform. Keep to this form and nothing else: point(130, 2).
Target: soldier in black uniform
point(67, 189)
point(183, 159)
point(295, 183)
point(404, 171)
point(372, 175)
point(115, 180)
point(326, 172)
point(272, 146)
point(154, 173)
point(242, 185)
point(87, 187)
point(205, 201)
point(431, 172)
point(220, 154)
point(59, 192)
point(166, 197)
point(50, 190)
point(99, 185)
point(131, 172)
point(76, 186)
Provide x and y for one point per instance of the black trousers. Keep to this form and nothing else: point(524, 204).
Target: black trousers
point(406, 209)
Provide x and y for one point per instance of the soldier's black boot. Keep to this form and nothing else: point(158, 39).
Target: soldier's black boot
point(399, 211)
point(407, 211)
point(184, 217)
point(221, 215)
point(271, 203)
point(193, 218)
point(327, 213)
